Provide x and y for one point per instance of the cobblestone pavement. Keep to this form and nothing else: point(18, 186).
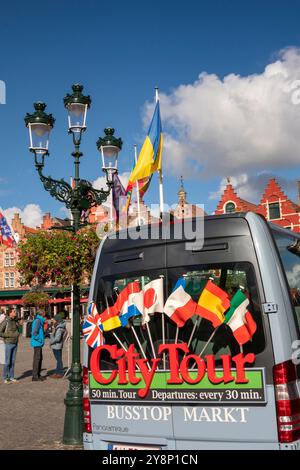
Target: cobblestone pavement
point(32, 413)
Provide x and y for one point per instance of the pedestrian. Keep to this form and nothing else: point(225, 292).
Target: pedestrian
point(57, 338)
point(37, 342)
point(10, 334)
point(2, 316)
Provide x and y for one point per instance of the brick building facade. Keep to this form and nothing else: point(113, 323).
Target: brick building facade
point(11, 290)
point(274, 205)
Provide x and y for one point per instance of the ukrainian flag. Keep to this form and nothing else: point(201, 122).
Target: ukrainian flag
point(150, 156)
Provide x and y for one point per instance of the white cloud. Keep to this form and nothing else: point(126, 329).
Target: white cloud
point(294, 276)
point(31, 215)
point(236, 182)
point(65, 212)
point(219, 126)
point(100, 182)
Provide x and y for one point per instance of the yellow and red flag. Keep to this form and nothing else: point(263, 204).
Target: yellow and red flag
point(213, 303)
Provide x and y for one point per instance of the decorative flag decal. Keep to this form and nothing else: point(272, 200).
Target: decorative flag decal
point(180, 306)
point(110, 318)
point(213, 303)
point(92, 309)
point(6, 236)
point(153, 298)
point(92, 330)
point(239, 319)
point(149, 160)
point(127, 303)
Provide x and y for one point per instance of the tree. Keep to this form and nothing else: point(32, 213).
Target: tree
point(57, 257)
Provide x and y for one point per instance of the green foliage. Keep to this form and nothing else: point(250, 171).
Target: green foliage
point(35, 299)
point(59, 257)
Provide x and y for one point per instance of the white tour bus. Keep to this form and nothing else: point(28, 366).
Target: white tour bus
point(157, 385)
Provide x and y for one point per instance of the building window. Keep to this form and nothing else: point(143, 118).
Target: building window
point(274, 211)
point(9, 259)
point(6, 279)
point(230, 207)
point(9, 280)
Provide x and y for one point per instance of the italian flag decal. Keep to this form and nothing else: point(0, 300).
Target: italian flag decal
point(238, 318)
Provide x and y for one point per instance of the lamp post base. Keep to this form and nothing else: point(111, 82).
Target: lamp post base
point(73, 427)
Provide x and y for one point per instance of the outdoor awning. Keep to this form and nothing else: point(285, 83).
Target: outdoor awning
point(11, 302)
point(9, 293)
point(67, 300)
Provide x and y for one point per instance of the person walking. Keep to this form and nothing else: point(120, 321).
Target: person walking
point(37, 342)
point(10, 334)
point(57, 338)
point(2, 316)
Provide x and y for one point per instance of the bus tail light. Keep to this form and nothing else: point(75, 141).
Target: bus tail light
point(287, 401)
point(86, 402)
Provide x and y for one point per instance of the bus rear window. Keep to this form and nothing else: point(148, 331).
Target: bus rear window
point(197, 332)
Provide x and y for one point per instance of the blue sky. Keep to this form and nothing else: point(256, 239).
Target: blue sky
point(120, 52)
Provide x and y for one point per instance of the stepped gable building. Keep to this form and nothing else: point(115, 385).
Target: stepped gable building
point(274, 205)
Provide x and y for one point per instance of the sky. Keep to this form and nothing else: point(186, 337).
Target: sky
point(229, 79)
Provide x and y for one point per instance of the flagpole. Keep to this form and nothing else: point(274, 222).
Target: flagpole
point(151, 342)
point(160, 174)
point(193, 331)
point(137, 188)
point(176, 335)
point(163, 331)
point(119, 341)
point(206, 344)
point(111, 209)
point(139, 343)
point(122, 346)
point(147, 325)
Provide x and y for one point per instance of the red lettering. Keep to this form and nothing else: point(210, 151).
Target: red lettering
point(147, 374)
point(95, 363)
point(227, 376)
point(225, 372)
point(185, 372)
point(131, 368)
point(240, 361)
point(122, 366)
point(131, 356)
point(173, 350)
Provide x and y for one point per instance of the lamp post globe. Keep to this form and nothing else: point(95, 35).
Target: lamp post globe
point(39, 125)
point(77, 105)
point(109, 147)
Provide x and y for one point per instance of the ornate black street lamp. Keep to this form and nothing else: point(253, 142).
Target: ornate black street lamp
point(78, 197)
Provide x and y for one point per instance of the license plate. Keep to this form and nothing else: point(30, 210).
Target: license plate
point(131, 447)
